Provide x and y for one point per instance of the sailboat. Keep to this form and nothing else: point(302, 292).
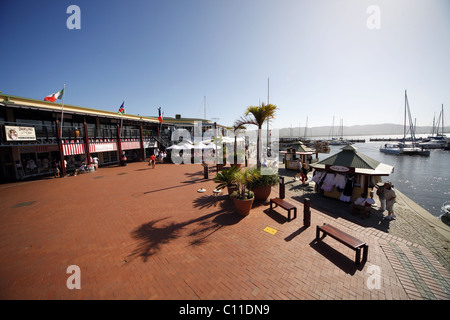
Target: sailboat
point(339, 141)
point(402, 147)
point(436, 140)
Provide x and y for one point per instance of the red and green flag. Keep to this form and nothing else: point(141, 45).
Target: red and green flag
point(55, 96)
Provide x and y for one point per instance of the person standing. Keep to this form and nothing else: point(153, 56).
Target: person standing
point(95, 162)
point(299, 168)
point(55, 168)
point(389, 195)
point(380, 194)
point(65, 168)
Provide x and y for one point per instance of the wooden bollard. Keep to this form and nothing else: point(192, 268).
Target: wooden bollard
point(306, 213)
point(282, 188)
point(205, 171)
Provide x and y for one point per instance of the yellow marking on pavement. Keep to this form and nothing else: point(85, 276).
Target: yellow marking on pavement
point(270, 230)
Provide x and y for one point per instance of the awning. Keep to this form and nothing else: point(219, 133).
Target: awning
point(73, 148)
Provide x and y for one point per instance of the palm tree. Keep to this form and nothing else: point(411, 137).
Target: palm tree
point(256, 115)
point(236, 128)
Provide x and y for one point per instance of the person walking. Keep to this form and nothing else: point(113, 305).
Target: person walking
point(153, 161)
point(389, 195)
point(304, 172)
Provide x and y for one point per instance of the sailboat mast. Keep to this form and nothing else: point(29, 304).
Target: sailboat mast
point(268, 120)
point(306, 127)
point(404, 121)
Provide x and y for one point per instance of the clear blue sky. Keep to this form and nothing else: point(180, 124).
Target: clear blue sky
point(320, 56)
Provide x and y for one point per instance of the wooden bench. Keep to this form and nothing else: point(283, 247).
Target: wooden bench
point(344, 238)
point(285, 205)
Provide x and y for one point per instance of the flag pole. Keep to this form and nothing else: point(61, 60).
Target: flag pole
point(62, 109)
point(121, 118)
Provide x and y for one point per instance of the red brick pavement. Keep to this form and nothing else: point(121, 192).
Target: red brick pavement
point(142, 233)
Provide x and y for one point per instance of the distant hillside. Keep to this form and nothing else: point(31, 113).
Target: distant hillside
point(358, 130)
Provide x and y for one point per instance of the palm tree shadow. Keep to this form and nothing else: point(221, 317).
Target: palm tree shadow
point(210, 227)
point(151, 236)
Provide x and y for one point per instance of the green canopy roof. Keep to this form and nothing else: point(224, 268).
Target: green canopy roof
point(351, 158)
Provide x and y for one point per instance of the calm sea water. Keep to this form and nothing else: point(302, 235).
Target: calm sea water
point(425, 180)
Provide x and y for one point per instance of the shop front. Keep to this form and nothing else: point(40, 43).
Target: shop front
point(34, 160)
point(132, 149)
point(291, 158)
point(105, 150)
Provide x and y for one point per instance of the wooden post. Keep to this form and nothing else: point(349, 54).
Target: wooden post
point(142, 143)
point(119, 146)
point(61, 151)
point(306, 213)
point(86, 144)
point(282, 188)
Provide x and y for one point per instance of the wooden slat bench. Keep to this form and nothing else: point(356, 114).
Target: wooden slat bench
point(344, 238)
point(285, 205)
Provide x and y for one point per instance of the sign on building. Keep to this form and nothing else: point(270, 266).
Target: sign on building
point(14, 133)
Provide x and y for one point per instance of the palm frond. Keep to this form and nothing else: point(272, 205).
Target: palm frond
point(259, 114)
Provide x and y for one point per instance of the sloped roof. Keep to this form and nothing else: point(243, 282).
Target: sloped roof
point(351, 158)
point(301, 147)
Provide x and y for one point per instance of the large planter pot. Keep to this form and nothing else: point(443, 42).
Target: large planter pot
point(243, 207)
point(262, 192)
point(238, 165)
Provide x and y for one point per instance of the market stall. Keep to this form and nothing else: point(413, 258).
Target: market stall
point(348, 174)
point(300, 152)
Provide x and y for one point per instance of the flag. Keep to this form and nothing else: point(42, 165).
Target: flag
point(53, 97)
point(160, 118)
point(121, 109)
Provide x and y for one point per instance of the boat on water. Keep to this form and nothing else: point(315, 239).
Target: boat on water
point(339, 142)
point(437, 140)
point(403, 147)
point(433, 144)
point(445, 217)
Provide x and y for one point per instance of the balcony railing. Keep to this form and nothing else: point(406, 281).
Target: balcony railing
point(47, 134)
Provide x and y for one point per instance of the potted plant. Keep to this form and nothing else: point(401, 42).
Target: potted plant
point(227, 179)
point(243, 197)
point(261, 184)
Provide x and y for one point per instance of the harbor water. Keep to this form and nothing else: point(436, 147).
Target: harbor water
point(425, 180)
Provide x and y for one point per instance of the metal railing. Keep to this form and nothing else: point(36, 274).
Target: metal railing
point(76, 132)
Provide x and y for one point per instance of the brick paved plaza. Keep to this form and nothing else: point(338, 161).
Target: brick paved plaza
point(142, 233)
